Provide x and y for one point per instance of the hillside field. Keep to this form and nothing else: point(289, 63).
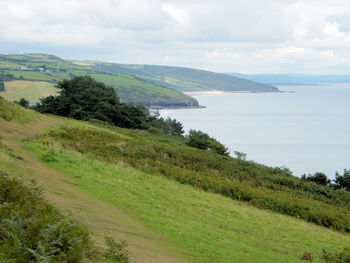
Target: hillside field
point(161, 219)
point(39, 69)
point(31, 90)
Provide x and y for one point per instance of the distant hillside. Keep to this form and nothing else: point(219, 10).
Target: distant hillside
point(295, 79)
point(184, 79)
point(33, 75)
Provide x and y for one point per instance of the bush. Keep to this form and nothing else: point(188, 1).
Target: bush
point(23, 102)
point(31, 230)
point(201, 140)
point(333, 257)
point(116, 252)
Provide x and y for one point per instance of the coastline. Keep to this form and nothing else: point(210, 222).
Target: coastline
point(220, 92)
point(159, 108)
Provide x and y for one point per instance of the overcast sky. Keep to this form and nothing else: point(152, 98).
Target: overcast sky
point(245, 36)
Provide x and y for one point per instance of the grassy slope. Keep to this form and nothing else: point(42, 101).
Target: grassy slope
point(203, 227)
point(186, 79)
point(130, 89)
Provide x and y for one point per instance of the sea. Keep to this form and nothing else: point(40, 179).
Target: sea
point(303, 128)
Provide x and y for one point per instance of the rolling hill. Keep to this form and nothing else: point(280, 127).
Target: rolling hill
point(183, 79)
point(171, 202)
point(295, 79)
point(34, 75)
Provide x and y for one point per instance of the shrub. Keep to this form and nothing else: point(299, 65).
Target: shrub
point(334, 257)
point(31, 230)
point(201, 140)
point(116, 251)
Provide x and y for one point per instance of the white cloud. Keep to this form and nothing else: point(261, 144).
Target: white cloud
point(223, 35)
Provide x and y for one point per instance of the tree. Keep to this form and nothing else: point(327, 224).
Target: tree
point(201, 140)
point(241, 155)
point(23, 102)
point(342, 181)
point(319, 178)
point(84, 98)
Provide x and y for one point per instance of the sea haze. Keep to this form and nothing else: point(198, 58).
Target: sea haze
point(306, 131)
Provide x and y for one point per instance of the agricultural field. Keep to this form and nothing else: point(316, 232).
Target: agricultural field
point(31, 90)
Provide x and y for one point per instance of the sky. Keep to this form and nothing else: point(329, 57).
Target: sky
point(244, 36)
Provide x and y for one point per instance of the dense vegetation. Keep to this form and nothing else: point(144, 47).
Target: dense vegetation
point(260, 186)
point(31, 230)
point(42, 71)
point(341, 181)
point(185, 79)
point(84, 98)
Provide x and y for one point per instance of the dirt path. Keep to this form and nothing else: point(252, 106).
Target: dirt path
point(102, 218)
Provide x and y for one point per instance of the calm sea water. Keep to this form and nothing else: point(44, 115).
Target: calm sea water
point(306, 131)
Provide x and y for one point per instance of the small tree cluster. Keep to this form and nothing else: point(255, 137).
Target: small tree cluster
point(84, 98)
point(319, 178)
point(201, 140)
point(342, 181)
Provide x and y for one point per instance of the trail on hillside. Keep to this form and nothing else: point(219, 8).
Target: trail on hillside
point(102, 218)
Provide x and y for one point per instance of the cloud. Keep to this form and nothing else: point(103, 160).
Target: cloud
point(223, 35)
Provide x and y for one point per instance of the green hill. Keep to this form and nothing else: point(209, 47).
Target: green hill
point(185, 79)
point(33, 75)
point(169, 201)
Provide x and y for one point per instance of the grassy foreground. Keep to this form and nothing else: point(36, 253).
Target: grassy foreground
point(211, 227)
point(162, 220)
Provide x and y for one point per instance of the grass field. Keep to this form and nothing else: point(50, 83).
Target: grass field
point(211, 227)
point(30, 90)
point(162, 220)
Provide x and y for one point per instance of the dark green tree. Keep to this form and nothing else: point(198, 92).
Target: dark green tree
point(201, 140)
point(23, 102)
point(319, 178)
point(84, 98)
point(342, 181)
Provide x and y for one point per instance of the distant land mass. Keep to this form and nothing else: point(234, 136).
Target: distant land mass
point(294, 79)
point(184, 79)
point(32, 76)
